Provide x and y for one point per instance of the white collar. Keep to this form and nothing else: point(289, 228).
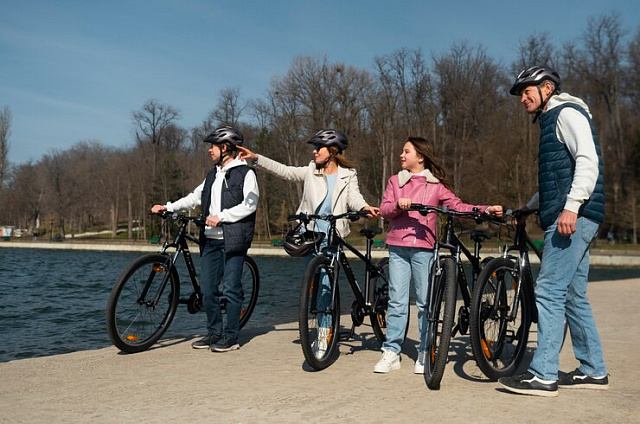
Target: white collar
point(404, 176)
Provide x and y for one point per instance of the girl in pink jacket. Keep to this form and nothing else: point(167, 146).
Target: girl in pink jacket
point(411, 239)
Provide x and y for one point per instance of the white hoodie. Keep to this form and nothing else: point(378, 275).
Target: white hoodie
point(234, 214)
point(574, 131)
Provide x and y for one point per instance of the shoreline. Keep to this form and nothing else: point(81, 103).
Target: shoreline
point(599, 257)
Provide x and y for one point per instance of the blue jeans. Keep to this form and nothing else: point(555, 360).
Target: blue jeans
point(407, 264)
point(214, 265)
point(561, 290)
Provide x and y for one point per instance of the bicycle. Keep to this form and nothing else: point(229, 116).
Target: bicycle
point(503, 306)
point(447, 276)
point(319, 310)
point(144, 300)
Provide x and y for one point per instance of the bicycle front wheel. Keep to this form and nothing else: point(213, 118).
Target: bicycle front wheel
point(442, 309)
point(319, 314)
point(250, 287)
point(143, 303)
point(500, 319)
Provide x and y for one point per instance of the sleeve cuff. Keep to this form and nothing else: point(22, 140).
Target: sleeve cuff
point(572, 205)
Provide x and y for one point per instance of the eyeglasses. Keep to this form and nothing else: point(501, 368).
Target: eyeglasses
point(317, 147)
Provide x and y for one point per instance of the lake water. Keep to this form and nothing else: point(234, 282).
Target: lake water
point(53, 301)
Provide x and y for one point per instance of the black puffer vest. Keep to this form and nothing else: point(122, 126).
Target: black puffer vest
point(237, 235)
point(556, 168)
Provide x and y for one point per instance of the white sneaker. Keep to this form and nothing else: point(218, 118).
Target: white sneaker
point(390, 361)
point(418, 368)
point(320, 345)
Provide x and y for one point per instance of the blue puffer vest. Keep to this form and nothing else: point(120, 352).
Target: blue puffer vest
point(237, 235)
point(556, 168)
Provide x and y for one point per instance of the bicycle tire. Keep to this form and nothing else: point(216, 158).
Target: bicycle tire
point(381, 302)
point(499, 344)
point(442, 309)
point(319, 346)
point(250, 287)
point(133, 324)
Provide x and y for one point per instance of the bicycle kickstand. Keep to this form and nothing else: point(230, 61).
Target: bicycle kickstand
point(347, 335)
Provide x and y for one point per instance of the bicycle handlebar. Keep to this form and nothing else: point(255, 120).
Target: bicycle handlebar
point(306, 217)
point(519, 213)
point(180, 217)
point(475, 214)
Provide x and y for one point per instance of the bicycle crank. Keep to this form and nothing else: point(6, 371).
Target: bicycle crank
point(194, 304)
point(357, 314)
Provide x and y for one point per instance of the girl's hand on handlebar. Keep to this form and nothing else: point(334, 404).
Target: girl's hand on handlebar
point(246, 154)
point(158, 208)
point(371, 211)
point(404, 203)
point(495, 210)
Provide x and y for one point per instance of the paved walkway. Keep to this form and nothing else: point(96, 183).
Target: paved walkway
point(267, 381)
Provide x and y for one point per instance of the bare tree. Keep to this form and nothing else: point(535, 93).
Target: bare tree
point(468, 127)
point(595, 68)
point(5, 132)
point(229, 108)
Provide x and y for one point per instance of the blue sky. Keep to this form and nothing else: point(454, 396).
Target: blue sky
point(75, 70)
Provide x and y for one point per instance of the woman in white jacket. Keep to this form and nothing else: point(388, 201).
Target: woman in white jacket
point(328, 172)
point(330, 187)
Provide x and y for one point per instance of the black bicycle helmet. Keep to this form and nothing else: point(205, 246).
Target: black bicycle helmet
point(225, 135)
point(329, 138)
point(535, 75)
point(299, 244)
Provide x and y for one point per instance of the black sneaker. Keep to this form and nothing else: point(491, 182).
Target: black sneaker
point(529, 384)
point(206, 342)
point(225, 345)
point(578, 380)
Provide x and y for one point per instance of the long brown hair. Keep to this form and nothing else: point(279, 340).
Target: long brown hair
point(432, 163)
point(342, 161)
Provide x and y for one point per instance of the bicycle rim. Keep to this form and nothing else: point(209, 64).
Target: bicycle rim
point(380, 285)
point(134, 321)
point(499, 337)
point(250, 280)
point(318, 316)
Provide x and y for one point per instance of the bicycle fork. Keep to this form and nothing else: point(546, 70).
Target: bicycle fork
point(164, 268)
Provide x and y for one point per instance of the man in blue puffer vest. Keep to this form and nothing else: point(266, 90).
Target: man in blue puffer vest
point(228, 195)
point(571, 202)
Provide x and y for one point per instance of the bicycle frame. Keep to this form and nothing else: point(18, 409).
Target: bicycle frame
point(135, 322)
point(335, 251)
point(181, 247)
point(451, 242)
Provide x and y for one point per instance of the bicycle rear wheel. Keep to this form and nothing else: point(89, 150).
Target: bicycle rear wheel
point(319, 314)
point(442, 309)
point(251, 287)
point(378, 317)
point(499, 337)
point(143, 303)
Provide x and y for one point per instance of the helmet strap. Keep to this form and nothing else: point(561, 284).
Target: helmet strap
point(543, 102)
point(223, 155)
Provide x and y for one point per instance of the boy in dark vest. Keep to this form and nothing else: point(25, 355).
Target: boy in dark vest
point(229, 198)
point(571, 202)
